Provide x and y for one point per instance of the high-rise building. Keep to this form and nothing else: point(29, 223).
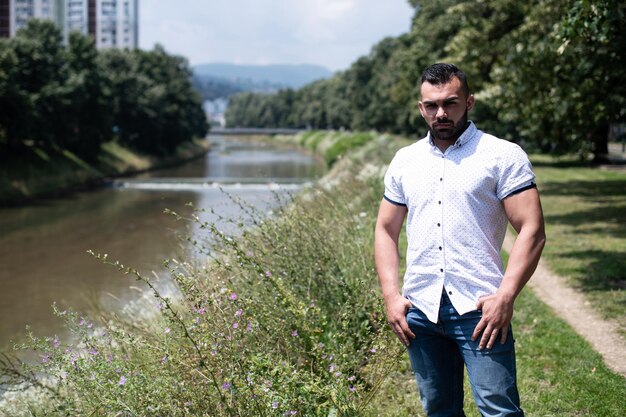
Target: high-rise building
point(112, 23)
point(116, 23)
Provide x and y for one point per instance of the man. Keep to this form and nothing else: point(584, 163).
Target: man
point(458, 188)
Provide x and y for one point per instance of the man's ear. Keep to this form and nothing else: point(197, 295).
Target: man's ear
point(421, 107)
point(470, 102)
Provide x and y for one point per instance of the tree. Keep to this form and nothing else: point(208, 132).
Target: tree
point(593, 44)
point(34, 102)
point(87, 114)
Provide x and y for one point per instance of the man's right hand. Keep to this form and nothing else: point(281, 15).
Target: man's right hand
point(397, 308)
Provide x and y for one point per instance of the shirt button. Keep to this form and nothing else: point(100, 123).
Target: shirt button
point(438, 224)
point(450, 292)
point(440, 248)
point(440, 202)
point(440, 179)
point(441, 270)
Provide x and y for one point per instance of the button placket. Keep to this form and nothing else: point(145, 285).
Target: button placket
point(439, 201)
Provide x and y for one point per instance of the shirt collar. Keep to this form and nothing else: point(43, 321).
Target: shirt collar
point(465, 137)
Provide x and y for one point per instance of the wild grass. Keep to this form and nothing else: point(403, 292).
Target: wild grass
point(284, 318)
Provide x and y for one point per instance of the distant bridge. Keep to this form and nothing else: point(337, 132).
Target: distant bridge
point(253, 131)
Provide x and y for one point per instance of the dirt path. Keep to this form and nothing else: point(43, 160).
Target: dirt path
point(572, 307)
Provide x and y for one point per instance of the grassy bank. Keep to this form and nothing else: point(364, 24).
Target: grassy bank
point(560, 374)
point(36, 172)
point(286, 319)
point(585, 211)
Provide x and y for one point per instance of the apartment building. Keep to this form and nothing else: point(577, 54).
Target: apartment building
point(112, 23)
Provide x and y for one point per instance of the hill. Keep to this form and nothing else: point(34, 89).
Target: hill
point(278, 75)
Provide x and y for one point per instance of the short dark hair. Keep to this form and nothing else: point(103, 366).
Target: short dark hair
point(442, 73)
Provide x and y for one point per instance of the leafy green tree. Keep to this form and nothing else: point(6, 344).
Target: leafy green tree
point(545, 72)
point(87, 115)
point(593, 48)
point(155, 108)
point(39, 75)
point(14, 101)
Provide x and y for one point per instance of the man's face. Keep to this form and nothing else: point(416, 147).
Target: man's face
point(445, 107)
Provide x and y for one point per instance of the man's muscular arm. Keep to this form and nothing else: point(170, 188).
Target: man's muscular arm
point(526, 217)
point(388, 227)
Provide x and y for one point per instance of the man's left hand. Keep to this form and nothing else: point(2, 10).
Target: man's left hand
point(496, 318)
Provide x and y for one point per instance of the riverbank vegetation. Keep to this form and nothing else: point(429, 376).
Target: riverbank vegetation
point(545, 73)
point(35, 172)
point(284, 318)
point(75, 98)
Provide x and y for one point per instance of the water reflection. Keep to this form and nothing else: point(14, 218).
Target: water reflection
point(43, 248)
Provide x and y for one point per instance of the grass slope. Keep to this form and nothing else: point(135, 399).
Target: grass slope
point(37, 172)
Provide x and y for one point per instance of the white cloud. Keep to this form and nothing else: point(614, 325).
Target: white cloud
point(332, 33)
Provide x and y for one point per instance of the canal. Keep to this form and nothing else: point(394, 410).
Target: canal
point(43, 247)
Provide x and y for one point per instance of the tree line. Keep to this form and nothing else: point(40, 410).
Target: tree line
point(76, 97)
point(548, 73)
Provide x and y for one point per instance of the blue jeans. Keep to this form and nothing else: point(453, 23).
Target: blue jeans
point(438, 354)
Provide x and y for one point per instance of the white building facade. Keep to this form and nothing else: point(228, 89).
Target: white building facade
point(116, 24)
point(112, 23)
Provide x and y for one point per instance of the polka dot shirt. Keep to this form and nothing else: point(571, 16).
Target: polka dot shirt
point(456, 221)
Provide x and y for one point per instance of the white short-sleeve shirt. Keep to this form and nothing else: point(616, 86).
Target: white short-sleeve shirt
point(456, 221)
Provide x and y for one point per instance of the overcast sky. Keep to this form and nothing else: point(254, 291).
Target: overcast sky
point(331, 33)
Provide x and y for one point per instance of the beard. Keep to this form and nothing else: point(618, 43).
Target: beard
point(451, 132)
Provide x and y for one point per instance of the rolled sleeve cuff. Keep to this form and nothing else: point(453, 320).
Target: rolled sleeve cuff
point(395, 203)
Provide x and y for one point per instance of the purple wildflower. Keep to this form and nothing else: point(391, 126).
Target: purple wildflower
point(294, 333)
point(233, 296)
point(122, 380)
point(226, 385)
point(275, 404)
point(238, 313)
point(167, 330)
point(45, 358)
point(55, 342)
point(249, 326)
point(202, 310)
point(352, 389)
point(235, 325)
point(373, 350)
point(268, 274)
point(164, 359)
point(351, 378)
point(92, 351)
point(332, 368)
